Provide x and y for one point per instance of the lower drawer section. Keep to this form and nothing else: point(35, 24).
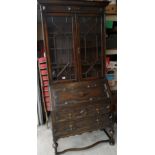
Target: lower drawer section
point(64, 129)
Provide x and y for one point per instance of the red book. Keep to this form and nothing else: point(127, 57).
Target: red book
point(43, 72)
point(45, 83)
point(47, 99)
point(42, 60)
point(45, 88)
point(43, 66)
point(44, 78)
point(48, 108)
point(46, 93)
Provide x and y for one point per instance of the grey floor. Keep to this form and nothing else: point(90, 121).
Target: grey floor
point(44, 143)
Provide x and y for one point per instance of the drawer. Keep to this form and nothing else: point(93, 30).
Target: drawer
point(99, 108)
point(79, 111)
point(68, 128)
point(66, 114)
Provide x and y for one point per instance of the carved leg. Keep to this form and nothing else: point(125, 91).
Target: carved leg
point(55, 145)
point(110, 134)
point(111, 140)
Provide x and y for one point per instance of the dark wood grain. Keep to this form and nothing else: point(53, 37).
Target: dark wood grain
point(82, 110)
point(73, 127)
point(78, 104)
point(75, 3)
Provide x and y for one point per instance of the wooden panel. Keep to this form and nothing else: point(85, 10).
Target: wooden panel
point(83, 110)
point(72, 9)
point(80, 95)
point(77, 107)
point(69, 128)
point(77, 85)
point(55, 3)
point(80, 92)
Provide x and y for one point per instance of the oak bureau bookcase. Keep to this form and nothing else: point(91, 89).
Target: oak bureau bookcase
point(74, 40)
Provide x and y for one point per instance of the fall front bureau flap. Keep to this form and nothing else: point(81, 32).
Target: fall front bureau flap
point(80, 92)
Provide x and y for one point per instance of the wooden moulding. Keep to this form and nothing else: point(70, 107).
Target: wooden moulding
point(79, 2)
point(111, 9)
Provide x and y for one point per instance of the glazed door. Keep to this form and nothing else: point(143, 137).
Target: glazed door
point(91, 47)
point(61, 47)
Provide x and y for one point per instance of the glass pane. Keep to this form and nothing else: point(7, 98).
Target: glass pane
point(90, 46)
point(61, 49)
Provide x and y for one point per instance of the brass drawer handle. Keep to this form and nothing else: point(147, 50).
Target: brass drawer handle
point(71, 127)
point(108, 107)
point(66, 102)
point(64, 89)
point(97, 120)
point(110, 117)
point(69, 8)
point(90, 99)
point(81, 111)
point(70, 115)
point(97, 110)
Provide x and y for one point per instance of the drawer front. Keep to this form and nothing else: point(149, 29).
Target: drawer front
point(63, 129)
point(80, 92)
point(82, 110)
